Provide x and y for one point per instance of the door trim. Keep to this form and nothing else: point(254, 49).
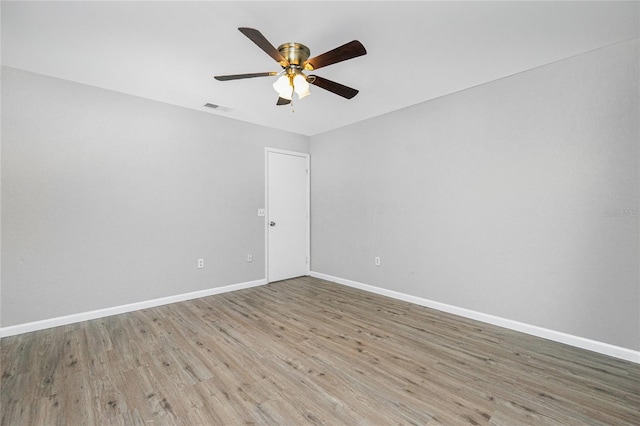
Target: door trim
point(307, 156)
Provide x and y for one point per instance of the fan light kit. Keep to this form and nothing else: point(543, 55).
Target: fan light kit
point(294, 60)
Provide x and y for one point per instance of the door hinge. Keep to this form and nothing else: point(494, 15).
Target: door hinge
point(307, 172)
point(306, 260)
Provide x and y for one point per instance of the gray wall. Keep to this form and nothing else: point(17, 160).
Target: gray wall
point(108, 199)
point(518, 198)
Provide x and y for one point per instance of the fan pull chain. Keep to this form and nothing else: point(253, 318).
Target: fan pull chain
point(291, 103)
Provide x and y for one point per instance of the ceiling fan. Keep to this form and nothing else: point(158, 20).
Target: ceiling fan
point(294, 60)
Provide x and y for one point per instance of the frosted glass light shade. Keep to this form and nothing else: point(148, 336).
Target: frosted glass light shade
point(283, 87)
point(301, 86)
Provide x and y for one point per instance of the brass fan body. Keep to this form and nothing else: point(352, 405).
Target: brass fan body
point(296, 54)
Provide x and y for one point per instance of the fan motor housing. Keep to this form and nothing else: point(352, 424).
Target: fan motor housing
point(295, 53)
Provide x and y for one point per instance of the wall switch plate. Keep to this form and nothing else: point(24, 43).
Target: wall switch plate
point(249, 258)
point(260, 212)
point(377, 261)
point(200, 263)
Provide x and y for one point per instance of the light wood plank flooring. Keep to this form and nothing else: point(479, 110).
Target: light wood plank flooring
point(306, 351)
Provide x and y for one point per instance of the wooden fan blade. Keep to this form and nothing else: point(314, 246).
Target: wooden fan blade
point(332, 86)
point(241, 76)
point(283, 101)
point(264, 44)
point(353, 49)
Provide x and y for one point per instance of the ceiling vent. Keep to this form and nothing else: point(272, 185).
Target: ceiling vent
point(218, 107)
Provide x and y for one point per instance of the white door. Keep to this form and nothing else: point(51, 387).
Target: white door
point(287, 214)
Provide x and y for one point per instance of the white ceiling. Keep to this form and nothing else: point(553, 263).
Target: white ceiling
point(170, 51)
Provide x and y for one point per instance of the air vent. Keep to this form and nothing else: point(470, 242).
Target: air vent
point(218, 107)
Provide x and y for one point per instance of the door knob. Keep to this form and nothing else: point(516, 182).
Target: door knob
point(272, 223)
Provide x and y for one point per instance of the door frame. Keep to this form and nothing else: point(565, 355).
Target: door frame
point(307, 156)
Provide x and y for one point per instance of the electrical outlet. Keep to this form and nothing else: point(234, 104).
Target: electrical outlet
point(249, 258)
point(260, 212)
point(200, 263)
point(377, 260)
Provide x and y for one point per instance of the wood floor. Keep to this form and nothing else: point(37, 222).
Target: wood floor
point(306, 351)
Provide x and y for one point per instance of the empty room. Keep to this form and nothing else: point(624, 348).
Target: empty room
point(338, 213)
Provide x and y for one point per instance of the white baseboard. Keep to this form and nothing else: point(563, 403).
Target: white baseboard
point(556, 336)
point(101, 313)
